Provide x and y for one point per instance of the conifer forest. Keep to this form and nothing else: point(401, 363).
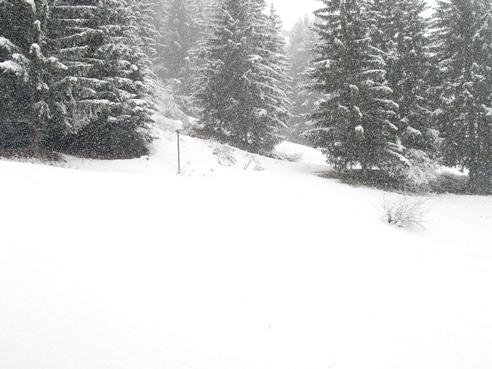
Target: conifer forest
point(377, 85)
point(245, 184)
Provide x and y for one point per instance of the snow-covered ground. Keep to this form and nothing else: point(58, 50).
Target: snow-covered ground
point(242, 262)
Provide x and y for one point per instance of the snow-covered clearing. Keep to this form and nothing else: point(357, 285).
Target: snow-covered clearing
point(124, 265)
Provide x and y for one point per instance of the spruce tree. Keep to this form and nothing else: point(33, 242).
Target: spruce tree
point(273, 71)
point(159, 9)
point(462, 45)
point(206, 13)
point(240, 100)
point(101, 47)
point(400, 31)
point(353, 122)
point(182, 30)
point(145, 26)
point(16, 20)
point(74, 37)
point(119, 131)
point(224, 74)
point(299, 56)
point(41, 96)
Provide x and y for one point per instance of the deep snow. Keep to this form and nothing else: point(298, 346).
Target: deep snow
point(124, 265)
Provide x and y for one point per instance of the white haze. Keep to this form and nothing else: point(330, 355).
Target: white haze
point(292, 10)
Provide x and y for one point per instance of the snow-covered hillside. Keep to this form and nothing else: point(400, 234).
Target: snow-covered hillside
point(242, 262)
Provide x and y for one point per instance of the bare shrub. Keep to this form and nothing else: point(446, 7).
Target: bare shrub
point(404, 211)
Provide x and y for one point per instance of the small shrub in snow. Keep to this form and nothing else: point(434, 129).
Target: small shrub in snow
point(254, 164)
point(415, 171)
point(421, 172)
point(225, 155)
point(404, 211)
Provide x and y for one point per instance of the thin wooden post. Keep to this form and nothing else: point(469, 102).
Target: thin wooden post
point(179, 153)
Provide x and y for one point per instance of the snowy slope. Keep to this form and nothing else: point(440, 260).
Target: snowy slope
point(203, 158)
point(124, 265)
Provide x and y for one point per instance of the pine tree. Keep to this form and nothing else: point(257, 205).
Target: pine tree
point(240, 100)
point(205, 14)
point(16, 19)
point(299, 55)
point(353, 123)
point(41, 96)
point(273, 71)
point(100, 45)
point(400, 31)
point(181, 34)
point(145, 25)
point(224, 76)
point(462, 45)
point(159, 9)
point(74, 37)
point(120, 129)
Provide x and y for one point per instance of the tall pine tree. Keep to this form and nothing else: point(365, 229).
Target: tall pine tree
point(16, 20)
point(99, 43)
point(40, 97)
point(242, 99)
point(183, 28)
point(353, 122)
point(299, 56)
point(462, 45)
point(400, 31)
point(272, 71)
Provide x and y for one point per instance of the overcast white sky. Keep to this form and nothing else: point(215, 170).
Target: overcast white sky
point(292, 10)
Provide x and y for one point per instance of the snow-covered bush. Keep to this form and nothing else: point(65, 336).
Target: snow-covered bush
point(225, 155)
point(412, 171)
point(417, 172)
point(421, 172)
point(404, 211)
point(253, 164)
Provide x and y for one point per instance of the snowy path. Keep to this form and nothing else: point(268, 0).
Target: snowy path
point(126, 266)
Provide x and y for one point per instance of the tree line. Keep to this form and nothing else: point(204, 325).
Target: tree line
point(378, 85)
point(399, 90)
point(78, 77)
point(74, 76)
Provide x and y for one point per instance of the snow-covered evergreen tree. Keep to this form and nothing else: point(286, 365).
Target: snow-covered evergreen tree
point(182, 30)
point(74, 37)
point(205, 13)
point(224, 76)
point(462, 45)
point(16, 19)
point(242, 98)
point(159, 20)
point(299, 55)
point(353, 121)
point(120, 127)
point(274, 73)
point(39, 96)
point(400, 31)
point(100, 45)
point(145, 25)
